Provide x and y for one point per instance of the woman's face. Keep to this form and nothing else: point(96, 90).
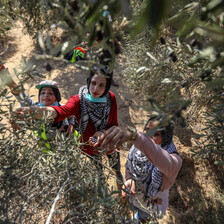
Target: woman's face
point(47, 97)
point(97, 85)
point(157, 137)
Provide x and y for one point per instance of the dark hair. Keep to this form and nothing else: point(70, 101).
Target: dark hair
point(166, 131)
point(105, 71)
point(167, 134)
point(56, 93)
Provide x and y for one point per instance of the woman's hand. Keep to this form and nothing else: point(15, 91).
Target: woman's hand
point(94, 140)
point(37, 112)
point(114, 137)
point(21, 112)
point(129, 184)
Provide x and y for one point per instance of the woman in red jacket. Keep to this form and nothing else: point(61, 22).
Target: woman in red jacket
point(95, 109)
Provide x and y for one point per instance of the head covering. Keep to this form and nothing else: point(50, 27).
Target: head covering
point(51, 84)
point(166, 132)
point(106, 72)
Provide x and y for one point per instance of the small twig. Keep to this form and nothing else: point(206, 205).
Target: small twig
point(55, 202)
point(152, 57)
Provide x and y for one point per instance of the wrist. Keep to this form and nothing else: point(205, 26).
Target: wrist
point(132, 133)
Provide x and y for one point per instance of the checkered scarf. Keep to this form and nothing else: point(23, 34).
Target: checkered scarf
point(97, 113)
point(145, 172)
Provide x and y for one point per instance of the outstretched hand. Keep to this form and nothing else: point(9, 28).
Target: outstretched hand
point(114, 137)
point(37, 112)
point(21, 112)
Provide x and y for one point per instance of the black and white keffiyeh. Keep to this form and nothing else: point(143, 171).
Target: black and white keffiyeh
point(98, 113)
point(144, 171)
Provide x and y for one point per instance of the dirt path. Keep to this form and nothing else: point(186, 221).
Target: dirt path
point(19, 44)
point(70, 79)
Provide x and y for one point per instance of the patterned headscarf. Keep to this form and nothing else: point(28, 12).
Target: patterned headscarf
point(98, 113)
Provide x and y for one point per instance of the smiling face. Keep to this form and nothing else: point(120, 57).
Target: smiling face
point(47, 96)
point(157, 137)
point(97, 85)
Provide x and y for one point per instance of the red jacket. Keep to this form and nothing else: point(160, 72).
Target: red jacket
point(72, 107)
